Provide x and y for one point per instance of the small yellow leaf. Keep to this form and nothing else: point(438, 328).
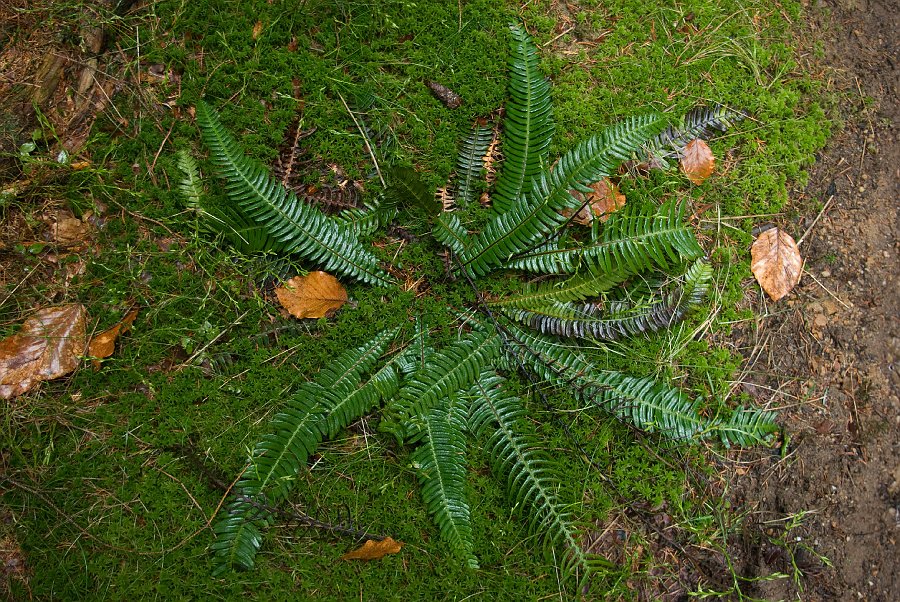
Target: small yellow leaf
point(697, 161)
point(104, 343)
point(49, 345)
point(776, 262)
point(373, 550)
point(315, 295)
point(257, 29)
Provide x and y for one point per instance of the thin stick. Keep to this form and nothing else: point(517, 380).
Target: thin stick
point(156, 156)
point(193, 499)
point(197, 353)
point(21, 282)
point(815, 221)
point(144, 218)
point(365, 139)
point(824, 288)
point(544, 45)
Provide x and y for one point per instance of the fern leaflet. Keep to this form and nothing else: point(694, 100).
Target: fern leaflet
point(317, 409)
point(440, 462)
point(301, 228)
point(528, 126)
point(531, 484)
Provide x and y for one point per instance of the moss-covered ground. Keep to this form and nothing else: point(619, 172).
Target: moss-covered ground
point(97, 483)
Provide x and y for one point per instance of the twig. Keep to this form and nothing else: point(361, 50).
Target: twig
point(161, 146)
point(197, 353)
point(545, 44)
point(84, 532)
point(365, 139)
point(824, 288)
point(193, 499)
point(815, 221)
point(143, 217)
point(21, 282)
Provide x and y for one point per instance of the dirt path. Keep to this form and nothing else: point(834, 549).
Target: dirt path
point(831, 352)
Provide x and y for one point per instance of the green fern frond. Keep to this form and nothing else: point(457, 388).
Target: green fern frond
point(531, 482)
point(418, 353)
point(302, 228)
point(347, 369)
point(317, 409)
point(528, 126)
point(449, 231)
point(405, 188)
point(240, 231)
point(746, 427)
point(470, 163)
point(588, 321)
point(452, 369)
point(650, 405)
point(646, 403)
point(367, 220)
point(189, 186)
point(537, 216)
point(554, 257)
point(637, 238)
point(576, 288)
point(699, 122)
point(440, 463)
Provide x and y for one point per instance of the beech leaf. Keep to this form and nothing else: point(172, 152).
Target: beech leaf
point(697, 161)
point(776, 262)
point(49, 345)
point(374, 550)
point(603, 200)
point(104, 343)
point(316, 295)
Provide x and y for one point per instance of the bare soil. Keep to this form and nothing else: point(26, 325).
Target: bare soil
point(829, 355)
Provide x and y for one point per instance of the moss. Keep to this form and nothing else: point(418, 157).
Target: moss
point(99, 445)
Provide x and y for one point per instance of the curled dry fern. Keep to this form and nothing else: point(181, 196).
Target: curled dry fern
point(436, 399)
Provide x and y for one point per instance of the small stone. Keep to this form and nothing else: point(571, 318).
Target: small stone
point(826, 273)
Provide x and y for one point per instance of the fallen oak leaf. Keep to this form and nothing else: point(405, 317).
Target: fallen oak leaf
point(315, 295)
point(776, 262)
point(374, 550)
point(49, 345)
point(697, 161)
point(104, 344)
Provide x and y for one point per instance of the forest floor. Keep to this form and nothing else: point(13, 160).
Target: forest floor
point(825, 511)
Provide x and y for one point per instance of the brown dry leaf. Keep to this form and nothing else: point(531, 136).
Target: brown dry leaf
point(374, 550)
point(604, 199)
point(315, 295)
point(257, 29)
point(104, 343)
point(697, 161)
point(49, 345)
point(491, 158)
point(70, 232)
point(776, 262)
point(445, 198)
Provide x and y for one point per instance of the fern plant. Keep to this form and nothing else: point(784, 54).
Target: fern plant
point(438, 400)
